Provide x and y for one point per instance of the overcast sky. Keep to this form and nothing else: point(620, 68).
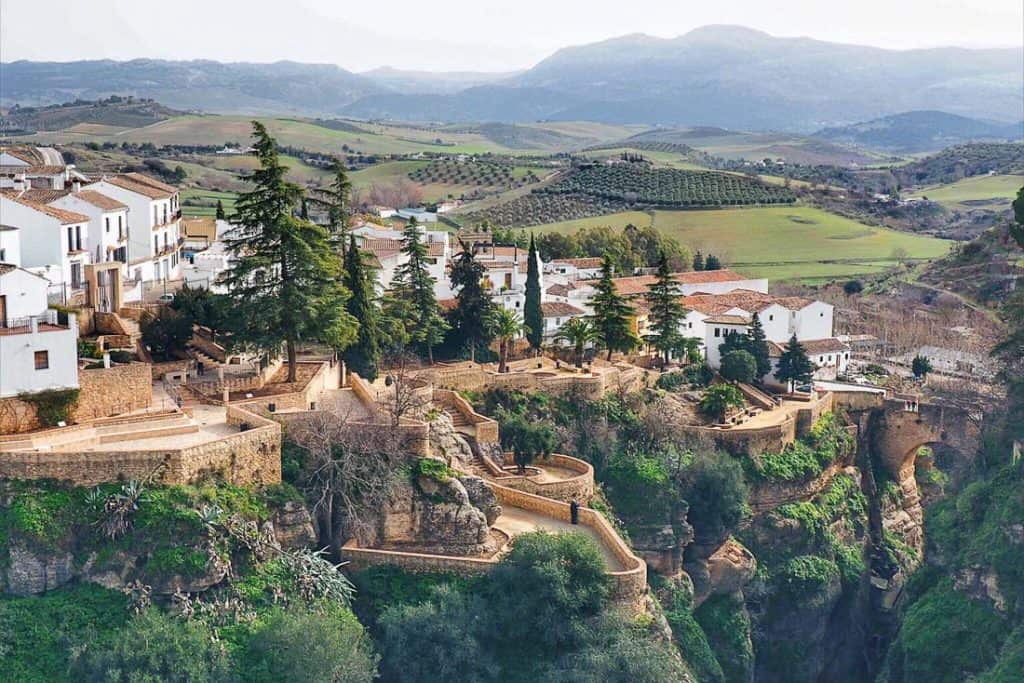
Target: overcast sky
point(479, 35)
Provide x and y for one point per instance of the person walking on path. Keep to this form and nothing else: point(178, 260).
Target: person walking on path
point(574, 511)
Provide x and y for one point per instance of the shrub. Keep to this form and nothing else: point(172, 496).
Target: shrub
point(432, 468)
point(805, 575)
point(670, 381)
point(851, 287)
point(167, 333)
point(157, 647)
point(88, 349)
point(307, 647)
point(718, 399)
point(52, 405)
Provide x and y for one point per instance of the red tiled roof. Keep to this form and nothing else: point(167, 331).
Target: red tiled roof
point(724, 319)
point(813, 347)
point(40, 196)
point(128, 182)
point(447, 304)
point(586, 262)
point(65, 217)
point(100, 200)
point(559, 309)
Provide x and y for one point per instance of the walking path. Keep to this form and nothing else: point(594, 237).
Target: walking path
point(515, 521)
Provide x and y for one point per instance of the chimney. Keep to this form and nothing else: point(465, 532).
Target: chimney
point(76, 185)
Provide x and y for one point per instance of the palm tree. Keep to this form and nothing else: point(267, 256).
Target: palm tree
point(506, 326)
point(689, 348)
point(578, 332)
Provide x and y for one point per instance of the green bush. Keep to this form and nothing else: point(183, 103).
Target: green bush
point(157, 647)
point(726, 623)
point(807, 457)
point(805, 575)
point(177, 561)
point(691, 638)
point(714, 487)
point(739, 366)
point(431, 468)
point(671, 381)
point(52, 405)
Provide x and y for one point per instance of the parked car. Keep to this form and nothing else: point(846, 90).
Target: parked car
point(166, 298)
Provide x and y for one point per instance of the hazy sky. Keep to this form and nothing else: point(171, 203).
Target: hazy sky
point(484, 35)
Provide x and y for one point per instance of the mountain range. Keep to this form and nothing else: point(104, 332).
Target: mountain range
point(725, 76)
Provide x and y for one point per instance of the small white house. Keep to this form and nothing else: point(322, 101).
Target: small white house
point(556, 314)
point(421, 215)
point(52, 239)
point(36, 352)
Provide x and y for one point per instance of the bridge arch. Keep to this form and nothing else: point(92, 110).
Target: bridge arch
point(906, 424)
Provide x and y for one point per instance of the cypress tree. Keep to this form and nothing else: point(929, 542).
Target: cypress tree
point(284, 279)
point(612, 314)
point(666, 311)
point(474, 308)
point(794, 365)
point(220, 210)
point(698, 261)
point(712, 263)
point(364, 355)
point(414, 286)
point(757, 346)
point(533, 316)
point(338, 202)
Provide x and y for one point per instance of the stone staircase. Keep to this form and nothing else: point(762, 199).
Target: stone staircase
point(209, 362)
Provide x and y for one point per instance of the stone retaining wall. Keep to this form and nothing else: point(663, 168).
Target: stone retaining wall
point(102, 392)
point(249, 457)
point(580, 487)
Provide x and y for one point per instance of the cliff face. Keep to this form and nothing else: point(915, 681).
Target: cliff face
point(53, 535)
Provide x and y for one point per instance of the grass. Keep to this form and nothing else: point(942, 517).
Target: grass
point(207, 197)
point(783, 243)
point(993, 189)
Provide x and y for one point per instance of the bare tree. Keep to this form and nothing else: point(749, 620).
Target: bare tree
point(350, 472)
point(406, 392)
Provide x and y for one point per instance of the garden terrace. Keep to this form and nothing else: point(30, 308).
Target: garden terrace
point(556, 476)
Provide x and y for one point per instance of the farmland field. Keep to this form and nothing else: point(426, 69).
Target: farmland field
point(993, 191)
point(195, 202)
point(785, 243)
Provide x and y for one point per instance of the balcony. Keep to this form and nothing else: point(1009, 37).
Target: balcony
point(47, 321)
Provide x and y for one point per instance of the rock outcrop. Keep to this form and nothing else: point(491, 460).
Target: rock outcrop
point(446, 443)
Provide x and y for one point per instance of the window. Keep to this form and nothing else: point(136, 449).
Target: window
point(822, 314)
point(78, 237)
point(71, 238)
point(771, 316)
point(120, 228)
point(106, 223)
point(821, 359)
point(42, 360)
point(718, 332)
point(155, 219)
point(3, 255)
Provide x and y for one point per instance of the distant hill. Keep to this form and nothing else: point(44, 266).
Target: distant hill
point(731, 77)
point(921, 131)
point(278, 88)
point(725, 76)
point(963, 161)
point(121, 112)
point(430, 82)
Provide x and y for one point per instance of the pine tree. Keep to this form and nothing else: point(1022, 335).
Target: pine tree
point(413, 286)
point(284, 278)
point(338, 202)
point(666, 311)
point(474, 308)
point(532, 313)
point(220, 210)
point(612, 314)
point(363, 356)
point(304, 210)
point(757, 346)
point(712, 263)
point(794, 365)
point(698, 261)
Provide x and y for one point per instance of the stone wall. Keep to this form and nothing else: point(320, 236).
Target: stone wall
point(738, 440)
point(158, 370)
point(249, 457)
point(358, 559)
point(112, 391)
point(102, 392)
point(580, 487)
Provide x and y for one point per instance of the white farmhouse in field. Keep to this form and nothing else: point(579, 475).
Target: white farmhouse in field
point(153, 224)
point(36, 351)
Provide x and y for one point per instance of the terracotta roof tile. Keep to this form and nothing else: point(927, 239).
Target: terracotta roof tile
point(127, 182)
point(587, 262)
point(559, 309)
point(65, 217)
point(40, 196)
point(100, 200)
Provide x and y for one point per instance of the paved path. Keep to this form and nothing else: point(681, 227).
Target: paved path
point(515, 521)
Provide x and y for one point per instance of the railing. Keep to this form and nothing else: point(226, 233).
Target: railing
point(49, 316)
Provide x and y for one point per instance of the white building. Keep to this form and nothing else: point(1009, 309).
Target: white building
point(24, 168)
point(387, 251)
point(36, 352)
point(556, 314)
point(108, 224)
point(421, 215)
point(153, 224)
point(54, 241)
point(574, 268)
